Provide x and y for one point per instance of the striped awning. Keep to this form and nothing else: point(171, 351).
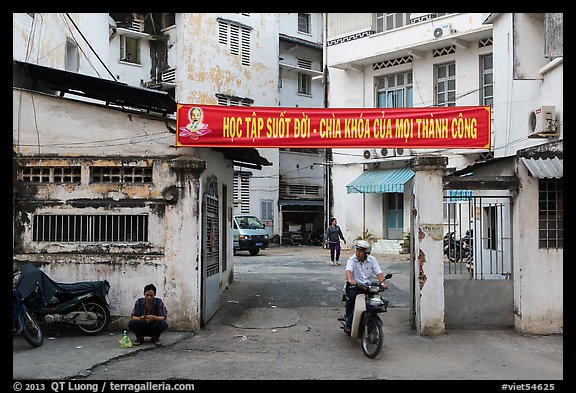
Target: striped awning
point(381, 181)
point(542, 168)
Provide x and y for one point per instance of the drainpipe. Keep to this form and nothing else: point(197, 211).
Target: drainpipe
point(328, 151)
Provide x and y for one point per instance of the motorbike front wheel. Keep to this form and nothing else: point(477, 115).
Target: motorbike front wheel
point(31, 330)
point(102, 318)
point(372, 339)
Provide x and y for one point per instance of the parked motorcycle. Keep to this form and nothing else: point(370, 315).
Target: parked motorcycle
point(366, 323)
point(80, 304)
point(457, 250)
point(23, 322)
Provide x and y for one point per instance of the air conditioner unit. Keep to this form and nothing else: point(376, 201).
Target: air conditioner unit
point(443, 31)
point(542, 123)
point(376, 153)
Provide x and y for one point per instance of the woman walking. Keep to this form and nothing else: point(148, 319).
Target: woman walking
point(333, 235)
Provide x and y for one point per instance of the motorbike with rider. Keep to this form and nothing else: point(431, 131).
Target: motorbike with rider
point(364, 280)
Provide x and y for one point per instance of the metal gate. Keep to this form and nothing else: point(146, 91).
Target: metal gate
point(210, 254)
point(478, 259)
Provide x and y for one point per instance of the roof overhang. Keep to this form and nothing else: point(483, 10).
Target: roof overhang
point(109, 91)
point(121, 94)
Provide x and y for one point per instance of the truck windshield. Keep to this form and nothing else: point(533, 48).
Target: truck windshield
point(246, 222)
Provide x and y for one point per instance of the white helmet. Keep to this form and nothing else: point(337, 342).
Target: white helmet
point(364, 245)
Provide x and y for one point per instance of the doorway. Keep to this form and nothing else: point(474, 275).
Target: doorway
point(394, 208)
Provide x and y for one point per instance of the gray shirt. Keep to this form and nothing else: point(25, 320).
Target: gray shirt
point(333, 234)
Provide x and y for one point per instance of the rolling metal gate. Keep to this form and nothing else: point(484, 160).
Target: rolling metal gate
point(478, 279)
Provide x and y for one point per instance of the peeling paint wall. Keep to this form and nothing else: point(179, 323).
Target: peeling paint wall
point(429, 264)
point(88, 135)
point(202, 77)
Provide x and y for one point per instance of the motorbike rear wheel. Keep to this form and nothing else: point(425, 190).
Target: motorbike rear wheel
point(372, 339)
point(31, 330)
point(453, 255)
point(102, 318)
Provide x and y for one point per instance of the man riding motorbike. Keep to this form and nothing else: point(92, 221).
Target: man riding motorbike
point(360, 269)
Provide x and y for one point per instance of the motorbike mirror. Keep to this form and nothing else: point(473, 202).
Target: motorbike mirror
point(389, 275)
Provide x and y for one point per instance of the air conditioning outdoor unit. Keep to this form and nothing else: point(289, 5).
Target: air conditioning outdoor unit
point(384, 152)
point(542, 123)
point(373, 153)
point(443, 31)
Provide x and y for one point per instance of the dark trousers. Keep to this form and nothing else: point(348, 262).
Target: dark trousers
point(334, 249)
point(351, 292)
point(147, 329)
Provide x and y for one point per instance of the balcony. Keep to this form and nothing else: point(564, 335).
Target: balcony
point(413, 40)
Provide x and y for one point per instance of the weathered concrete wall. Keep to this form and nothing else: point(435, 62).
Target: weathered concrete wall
point(538, 272)
point(428, 261)
point(88, 134)
point(479, 303)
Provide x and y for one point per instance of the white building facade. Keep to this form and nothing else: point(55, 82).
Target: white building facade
point(511, 62)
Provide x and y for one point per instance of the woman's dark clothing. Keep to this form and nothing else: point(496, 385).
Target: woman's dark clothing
point(149, 329)
point(333, 235)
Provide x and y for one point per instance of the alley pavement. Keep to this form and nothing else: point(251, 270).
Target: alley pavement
point(260, 335)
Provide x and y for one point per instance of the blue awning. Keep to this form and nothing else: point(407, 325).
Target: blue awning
point(381, 181)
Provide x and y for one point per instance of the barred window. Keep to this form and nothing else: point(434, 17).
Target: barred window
point(45, 174)
point(551, 213)
point(90, 228)
point(117, 174)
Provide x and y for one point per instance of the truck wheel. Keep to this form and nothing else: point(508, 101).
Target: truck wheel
point(254, 251)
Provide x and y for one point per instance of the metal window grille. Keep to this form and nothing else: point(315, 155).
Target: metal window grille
point(42, 174)
point(484, 222)
point(212, 233)
point(93, 228)
point(116, 174)
point(551, 213)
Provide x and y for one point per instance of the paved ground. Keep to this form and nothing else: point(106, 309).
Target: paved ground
point(278, 321)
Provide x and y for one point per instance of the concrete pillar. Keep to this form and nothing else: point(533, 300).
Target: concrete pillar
point(428, 249)
point(182, 244)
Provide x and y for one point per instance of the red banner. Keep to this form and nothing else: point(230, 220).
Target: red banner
point(230, 126)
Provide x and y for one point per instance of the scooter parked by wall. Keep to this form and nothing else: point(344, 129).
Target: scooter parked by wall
point(366, 323)
point(80, 304)
point(23, 322)
point(458, 250)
